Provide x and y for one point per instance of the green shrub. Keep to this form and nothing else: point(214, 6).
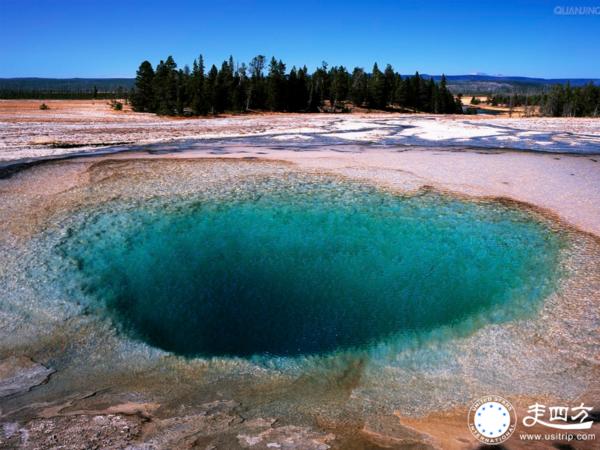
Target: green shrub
point(116, 105)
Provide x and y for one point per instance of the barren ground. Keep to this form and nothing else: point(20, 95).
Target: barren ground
point(83, 126)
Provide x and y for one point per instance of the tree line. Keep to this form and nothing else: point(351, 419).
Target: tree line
point(559, 101)
point(66, 94)
point(565, 101)
point(65, 88)
point(167, 89)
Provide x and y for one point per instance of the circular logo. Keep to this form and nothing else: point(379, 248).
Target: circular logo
point(492, 419)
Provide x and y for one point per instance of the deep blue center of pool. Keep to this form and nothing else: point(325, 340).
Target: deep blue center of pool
point(309, 271)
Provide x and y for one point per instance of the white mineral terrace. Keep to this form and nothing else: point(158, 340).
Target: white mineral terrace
point(75, 127)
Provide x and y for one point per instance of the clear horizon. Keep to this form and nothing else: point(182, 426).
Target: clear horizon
point(90, 39)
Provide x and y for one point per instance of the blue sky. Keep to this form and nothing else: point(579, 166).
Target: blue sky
point(52, 38)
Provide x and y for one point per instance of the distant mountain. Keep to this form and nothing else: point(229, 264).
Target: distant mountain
point(66, 84)
point(474, 84)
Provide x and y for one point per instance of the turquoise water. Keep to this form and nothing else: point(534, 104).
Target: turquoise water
point(310, 269)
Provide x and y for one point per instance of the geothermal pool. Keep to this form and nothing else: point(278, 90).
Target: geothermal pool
point(283, 296)
point(306, 267)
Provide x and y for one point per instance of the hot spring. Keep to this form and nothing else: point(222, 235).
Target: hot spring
point(307, 268)
point(224, 300)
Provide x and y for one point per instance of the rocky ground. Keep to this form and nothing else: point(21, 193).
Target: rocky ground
point(218, 424)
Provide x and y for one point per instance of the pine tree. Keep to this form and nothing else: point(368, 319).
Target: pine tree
point(358, 87)
point(182, 89)
point(318, 87)
point(240, 88)
point(212, 90)
point(389, 84)
point(443, 100)
point(224, 87)
point(436, 98)
point(376, 97)
point(276, 86)
point(256, 93)
point(416, 92)
point(199, 100)
point(143, 97)
point(292, 91)
point(165, 87)
point(568, 101)
point(553, 102)
point(403, 92)
point(396, 89)
point(590, 100)
point(302, 90)
point(340, 85)
point(425, 94)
